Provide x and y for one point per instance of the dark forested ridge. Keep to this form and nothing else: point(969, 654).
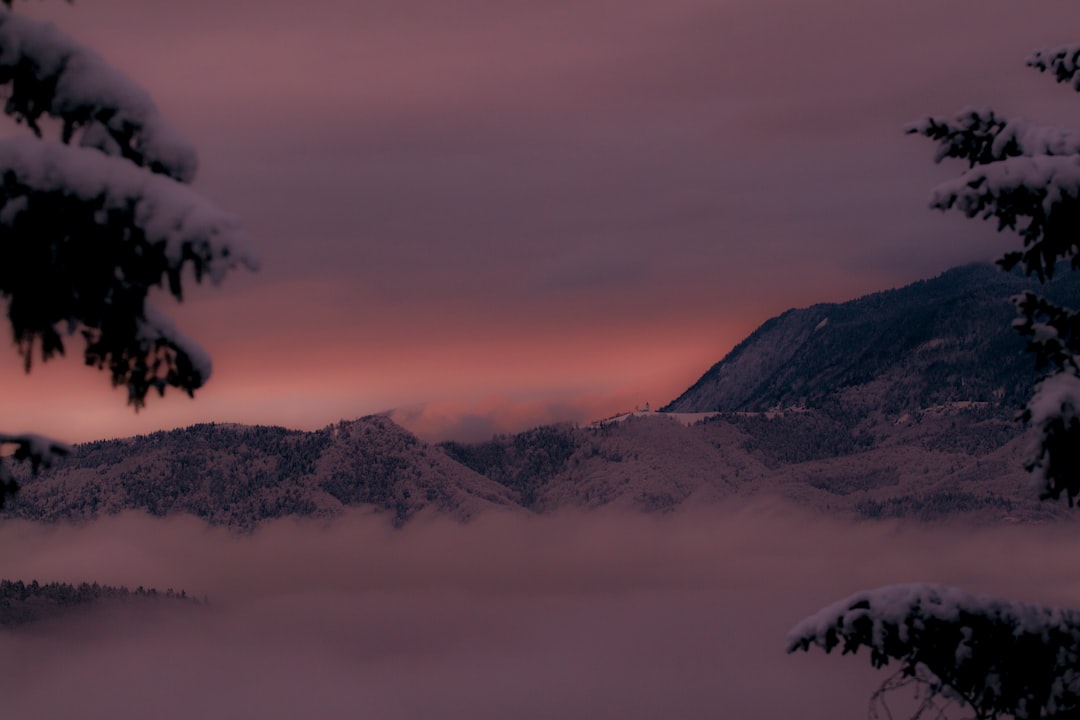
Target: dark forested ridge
point(950, 462)
point(22, 603)
point(944, 340)
point(241, 475)
point(898, 404)
point(947, 460)
point(524, 462)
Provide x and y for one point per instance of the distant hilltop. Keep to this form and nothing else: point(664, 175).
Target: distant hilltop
point(931, 343)
point(683, 418)
point(897, 404)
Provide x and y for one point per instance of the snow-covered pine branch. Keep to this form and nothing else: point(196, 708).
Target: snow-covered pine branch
point(37, 450)
point(1055, 410)
point(89, 224)
point(84, 238)
point(1027, 178)
point(1038, 197)
point(980, 137)
point(993, 656)
point(1053, 332)
point(997, 657)
point(47, 73)
point(1063, 61)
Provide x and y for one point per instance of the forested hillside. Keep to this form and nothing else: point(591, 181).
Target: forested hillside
point(241, 475)
point(22, 603)
point(898, 404)
point(944, 340)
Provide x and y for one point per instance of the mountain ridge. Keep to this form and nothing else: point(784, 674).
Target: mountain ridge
point(941, 340)
point(239, 475)
point(896, 404)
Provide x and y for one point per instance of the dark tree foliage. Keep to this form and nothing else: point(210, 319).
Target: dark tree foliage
point(1025, 178)
point(22, 603)
point(524, 462)
point(230, 475)
point(933, 506)
point(94, 220)
point(797, 437)
point(994, 657)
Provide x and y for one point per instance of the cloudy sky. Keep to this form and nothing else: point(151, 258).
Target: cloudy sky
point(489, 214)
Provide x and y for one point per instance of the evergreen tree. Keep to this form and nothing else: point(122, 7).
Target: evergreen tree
point(96, 210)
point(995, 657)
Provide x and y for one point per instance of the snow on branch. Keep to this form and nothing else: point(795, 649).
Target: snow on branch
point(48, 73)
point(997, 657)
point(1027, 178)
point(175, 359)
point(83, 237)
point(38, 450)
point(1038, 197)
point(1063, 61)
point(981, 137)
point(150, 210)
point(1053, 332)
point(1055, 410)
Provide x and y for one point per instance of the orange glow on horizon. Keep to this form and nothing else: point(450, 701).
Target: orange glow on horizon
point(488, 217)
point(512, 383)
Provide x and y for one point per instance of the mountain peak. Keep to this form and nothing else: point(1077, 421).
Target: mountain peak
point(945, 339)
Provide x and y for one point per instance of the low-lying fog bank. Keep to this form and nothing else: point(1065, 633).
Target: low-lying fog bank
point(575, 616)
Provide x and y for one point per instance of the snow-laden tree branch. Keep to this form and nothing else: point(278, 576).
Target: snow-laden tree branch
point(1055, 411)
point(46, 73)
point(980, 137)
point(1053, 334)
point(1037, 197)
point(996, 657)
point(37, 450)
point(83, 238)
point(1063, 61)
point(92, 221)
point(1030, 184)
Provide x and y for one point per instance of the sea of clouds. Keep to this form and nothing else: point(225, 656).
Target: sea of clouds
point(575, 616)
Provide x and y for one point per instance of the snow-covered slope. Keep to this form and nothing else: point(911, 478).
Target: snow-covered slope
point(932, 343)
point(653, 463)
point(898, 404)
point(962, 461)
point(238, 475)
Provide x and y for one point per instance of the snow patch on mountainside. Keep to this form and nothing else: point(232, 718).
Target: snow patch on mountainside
point(686, 419)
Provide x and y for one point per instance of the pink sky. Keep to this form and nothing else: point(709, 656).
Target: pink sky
point(493, 214)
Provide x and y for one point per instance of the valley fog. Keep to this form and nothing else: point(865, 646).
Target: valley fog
point(572, 616)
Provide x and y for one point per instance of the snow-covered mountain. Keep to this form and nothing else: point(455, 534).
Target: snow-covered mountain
point(932, 343)
point(898, 404)
point(238, 475)
point(948, 462)
point(960, 460)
